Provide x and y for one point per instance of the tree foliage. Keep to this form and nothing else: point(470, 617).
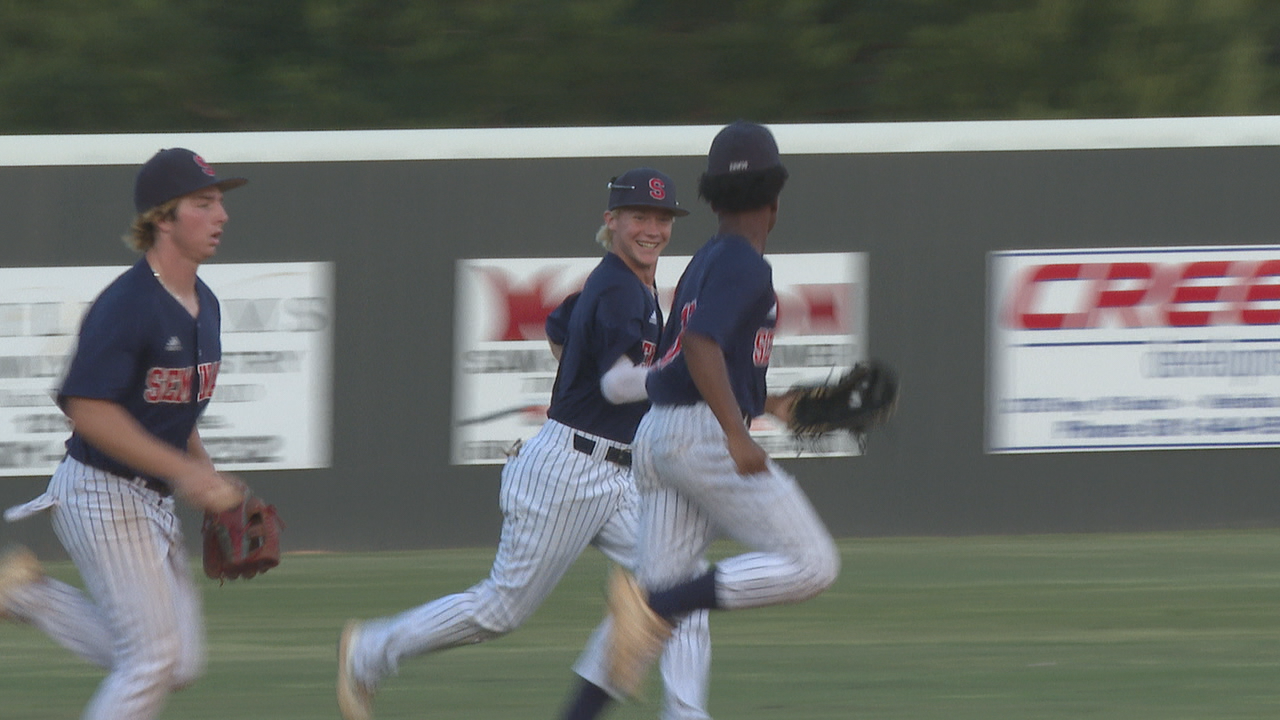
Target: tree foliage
point(151, 65)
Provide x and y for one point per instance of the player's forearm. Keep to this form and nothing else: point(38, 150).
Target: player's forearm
point(112, 430)
point(196, 449)
point(711, 377)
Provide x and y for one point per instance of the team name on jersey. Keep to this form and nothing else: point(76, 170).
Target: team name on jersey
point(674, 350)
point(763, 347)
point(173, 385)
point(650, 349)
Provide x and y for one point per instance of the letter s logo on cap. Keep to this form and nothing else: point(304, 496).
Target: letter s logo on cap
point(204, 166)
point(657, 190)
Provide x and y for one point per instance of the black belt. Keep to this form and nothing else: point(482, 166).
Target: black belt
point(159, 487)
point(617, 456)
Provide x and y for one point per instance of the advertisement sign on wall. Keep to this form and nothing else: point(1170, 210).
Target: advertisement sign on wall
point(271, 406)
point(504, 369)
point(1134, 349)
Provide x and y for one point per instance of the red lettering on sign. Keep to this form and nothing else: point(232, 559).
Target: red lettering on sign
point(1258, 291)
point(1186, 293)
point(1135, 278)
point(815, 309)
point(1145, 294)
point(526, 306)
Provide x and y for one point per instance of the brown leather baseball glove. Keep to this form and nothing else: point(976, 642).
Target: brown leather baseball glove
point(243, 541)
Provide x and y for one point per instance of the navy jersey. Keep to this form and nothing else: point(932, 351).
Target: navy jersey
point(557, 324)
point(615, 315)
point(725, 293)
point(141, 349)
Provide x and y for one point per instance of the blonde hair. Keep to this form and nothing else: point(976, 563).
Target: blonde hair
point(142, 233)
point(604, 235)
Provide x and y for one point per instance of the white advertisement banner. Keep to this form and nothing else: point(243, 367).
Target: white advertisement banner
point(1134, 349)
point(271, 407)
point(504, 369)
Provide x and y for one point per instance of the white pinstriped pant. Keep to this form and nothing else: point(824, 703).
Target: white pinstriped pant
point(692, 493)
point(555, 502)
point(144, 622)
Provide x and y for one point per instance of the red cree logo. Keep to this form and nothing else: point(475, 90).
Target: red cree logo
point(657, 189)
point(204, 166)
point(1136, 294)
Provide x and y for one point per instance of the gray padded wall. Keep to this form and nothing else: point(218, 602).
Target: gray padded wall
point(395, 229)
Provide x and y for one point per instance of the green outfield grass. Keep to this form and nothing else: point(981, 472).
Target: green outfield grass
point(1122, 627)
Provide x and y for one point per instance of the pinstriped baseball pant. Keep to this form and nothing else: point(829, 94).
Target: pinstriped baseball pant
point(144, 622)
point(555, 502)
point(692, 494)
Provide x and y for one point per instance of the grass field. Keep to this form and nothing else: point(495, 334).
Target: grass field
point(1128, 627)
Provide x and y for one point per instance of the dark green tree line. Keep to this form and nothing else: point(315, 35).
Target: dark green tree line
point(150, 65)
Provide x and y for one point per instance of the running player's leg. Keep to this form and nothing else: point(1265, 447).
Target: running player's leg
point(190, 615)
point(63, 613)
point(119, 537)
point(686, 660)
point(794, 556)
point(554, 501)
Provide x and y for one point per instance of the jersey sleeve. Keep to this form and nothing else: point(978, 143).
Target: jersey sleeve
point(104, 365)
point(557, 324)
point(729, 288)
point(619, 323)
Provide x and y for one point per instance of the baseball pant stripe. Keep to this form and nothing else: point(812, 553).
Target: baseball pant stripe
point(127, 545)
point(548, 522)
point(694, 493)
point(555, 502)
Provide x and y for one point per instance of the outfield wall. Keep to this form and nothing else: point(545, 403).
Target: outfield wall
point(391, 213)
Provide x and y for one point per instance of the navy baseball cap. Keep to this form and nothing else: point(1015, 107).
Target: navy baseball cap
point(742, 147)
point(172, 173)
point(644, 186)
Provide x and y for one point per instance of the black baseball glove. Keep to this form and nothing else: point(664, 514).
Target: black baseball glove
point(860, 400)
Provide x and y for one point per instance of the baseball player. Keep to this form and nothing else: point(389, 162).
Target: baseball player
point(698, 470)
point(570, 485)
point(142, 373)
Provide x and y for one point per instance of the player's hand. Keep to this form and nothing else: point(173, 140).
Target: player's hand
point(748, 456)
point(210, 490)
point(780, 405)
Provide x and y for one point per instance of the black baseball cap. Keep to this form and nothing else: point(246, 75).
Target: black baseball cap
point(172, 173)
point(742, 147)
point(644, 186)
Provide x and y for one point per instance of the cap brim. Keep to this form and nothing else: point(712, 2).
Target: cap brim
point(677, 211)
point(230, 183)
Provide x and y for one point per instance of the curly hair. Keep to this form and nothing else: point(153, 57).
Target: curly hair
point(142, 233)
point(740, 192)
